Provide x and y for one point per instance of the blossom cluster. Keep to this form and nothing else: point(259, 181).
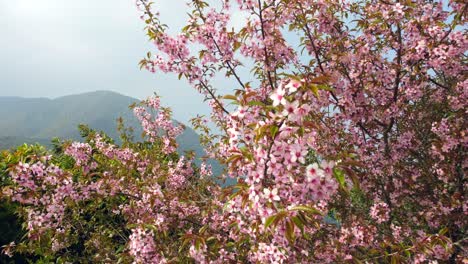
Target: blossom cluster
point(369, 111)
point(347, 144)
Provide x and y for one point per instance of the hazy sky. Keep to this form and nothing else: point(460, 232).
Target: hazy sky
point(51, 48)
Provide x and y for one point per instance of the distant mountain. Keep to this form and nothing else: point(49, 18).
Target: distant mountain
point(11, 141)
point(46, 118)
point(38, 120)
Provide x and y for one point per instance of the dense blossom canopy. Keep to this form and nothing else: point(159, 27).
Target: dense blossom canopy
point(347, 141)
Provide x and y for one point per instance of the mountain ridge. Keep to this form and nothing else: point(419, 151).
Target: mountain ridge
point(41, 118)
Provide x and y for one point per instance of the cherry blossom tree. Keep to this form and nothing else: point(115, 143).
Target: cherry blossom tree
point(347, 141)
point(362, 118)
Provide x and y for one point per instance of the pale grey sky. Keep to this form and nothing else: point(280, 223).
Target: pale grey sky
point(51, 48)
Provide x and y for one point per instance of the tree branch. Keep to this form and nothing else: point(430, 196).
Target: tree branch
point(267, 63)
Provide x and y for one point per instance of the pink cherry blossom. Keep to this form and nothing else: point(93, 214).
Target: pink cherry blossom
point(271, 195)
point(278, 97)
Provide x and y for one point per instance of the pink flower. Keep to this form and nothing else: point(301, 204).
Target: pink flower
point(327, 167)
point(398, 9)
point(278, 97)
point(380, 212)
point(298, 153)
point(271, 195)
point(290, 108)
point(8, 249)
point(293, 85)
point(240, 113)
point(313, 172)
point(302, 111)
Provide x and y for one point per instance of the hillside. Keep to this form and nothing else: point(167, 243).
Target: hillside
point(47, 118)
point(37, 120)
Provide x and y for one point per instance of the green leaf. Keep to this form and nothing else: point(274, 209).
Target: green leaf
point(443, 231)
point(298, 222)
point(201, 54)
point(306, 209)
point(232, 158)
point(230, 244)
point(203, 229)
point(270, 220)
point(340, 177)
point(184, 244)
point(273, 130)
point(236, 45)
point(320, 79)
point(325, 87)
point(290, 235)
point(229, 97)
point(255, 103)
point(314, 89)
point(291, 76)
